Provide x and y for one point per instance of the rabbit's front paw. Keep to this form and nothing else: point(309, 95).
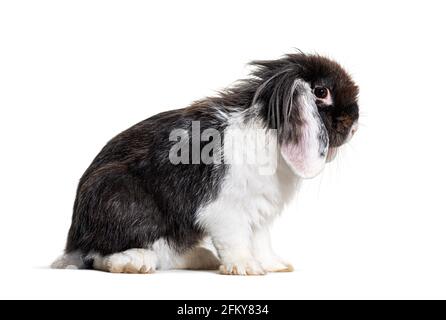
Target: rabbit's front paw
point(248, 267)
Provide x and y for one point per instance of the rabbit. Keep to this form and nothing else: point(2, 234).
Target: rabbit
point(150, 200)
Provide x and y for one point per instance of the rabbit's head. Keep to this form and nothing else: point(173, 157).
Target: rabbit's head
point(312, 103)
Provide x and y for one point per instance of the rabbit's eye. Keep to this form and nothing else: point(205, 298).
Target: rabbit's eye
point(321, 92)
point(323, 96)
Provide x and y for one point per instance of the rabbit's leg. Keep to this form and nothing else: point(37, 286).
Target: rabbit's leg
point(160, 256)
point(232, 241)
point(129, 261)
point(263, 252)
point(197, 258)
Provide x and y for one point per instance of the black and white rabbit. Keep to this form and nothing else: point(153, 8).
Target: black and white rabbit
point(137, 209)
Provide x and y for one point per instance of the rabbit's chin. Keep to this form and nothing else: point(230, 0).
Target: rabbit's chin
point(332, 153)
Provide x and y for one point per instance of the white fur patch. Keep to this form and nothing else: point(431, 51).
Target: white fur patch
point(247, 201)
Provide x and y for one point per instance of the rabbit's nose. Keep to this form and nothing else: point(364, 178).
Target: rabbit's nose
point(354, 128)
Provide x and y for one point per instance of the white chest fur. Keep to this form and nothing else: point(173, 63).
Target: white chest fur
point(249, 195)
point(249, 199)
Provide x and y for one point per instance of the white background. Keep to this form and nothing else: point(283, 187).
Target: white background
point(75, 73)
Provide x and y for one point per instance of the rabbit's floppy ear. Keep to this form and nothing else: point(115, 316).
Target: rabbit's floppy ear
point(306, 144)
